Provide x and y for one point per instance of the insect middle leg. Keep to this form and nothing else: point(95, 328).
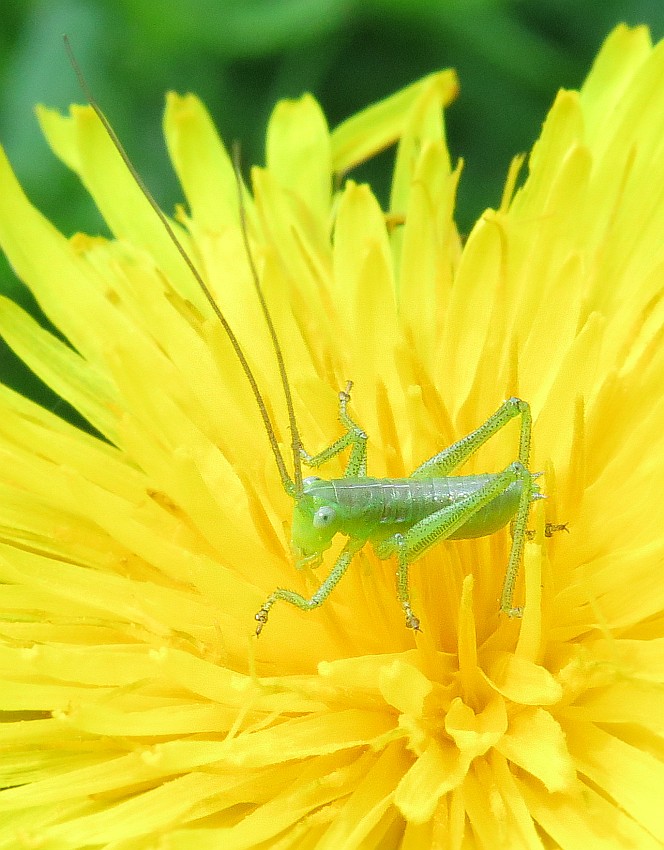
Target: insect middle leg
point(413, 543)
point(354, 436)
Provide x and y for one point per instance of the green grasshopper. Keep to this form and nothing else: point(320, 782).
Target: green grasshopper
point(405, 517)
point(402, 517)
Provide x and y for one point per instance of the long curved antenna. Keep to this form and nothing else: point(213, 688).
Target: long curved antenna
point(296, 442)
point(289, 487)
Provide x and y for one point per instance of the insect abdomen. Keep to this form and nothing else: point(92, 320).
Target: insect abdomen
point(378, 507)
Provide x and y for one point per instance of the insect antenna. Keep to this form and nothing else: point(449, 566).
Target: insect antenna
point(290, 487)
point(296, 442)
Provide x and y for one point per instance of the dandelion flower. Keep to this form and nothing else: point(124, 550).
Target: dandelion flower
point(139, 709)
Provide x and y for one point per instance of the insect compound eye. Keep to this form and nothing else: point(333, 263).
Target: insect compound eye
point(324, 516)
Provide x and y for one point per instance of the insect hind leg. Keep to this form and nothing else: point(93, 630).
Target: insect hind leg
point(458, 453)
point(354, 436)
point(438, 526)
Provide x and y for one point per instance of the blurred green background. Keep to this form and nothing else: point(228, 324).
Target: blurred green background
point(241, 56)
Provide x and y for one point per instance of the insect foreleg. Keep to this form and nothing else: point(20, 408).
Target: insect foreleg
point(412, 544)
point(458, 453)
point(354, 436)
point(281, 594)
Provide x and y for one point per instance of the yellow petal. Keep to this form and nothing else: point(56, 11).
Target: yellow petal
point(298, 152)
point(378, 126)
point(437, 771)
point(520, 680)
point(475, 733)
point(201, 162)
point(535, 742)
point(628, 774)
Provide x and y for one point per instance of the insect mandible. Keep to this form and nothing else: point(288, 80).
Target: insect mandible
point(401, 517)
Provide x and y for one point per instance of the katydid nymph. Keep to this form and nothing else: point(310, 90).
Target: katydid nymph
point(404, 517)
point(401, 518)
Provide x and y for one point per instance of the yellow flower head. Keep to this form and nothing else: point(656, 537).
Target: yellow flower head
point(140, 710)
